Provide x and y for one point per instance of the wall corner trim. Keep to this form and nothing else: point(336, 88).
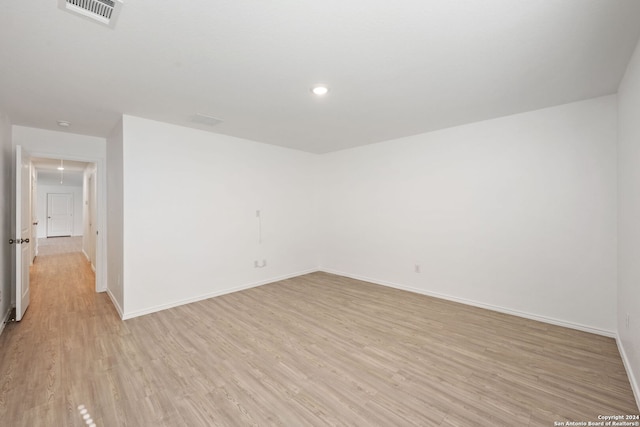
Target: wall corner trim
point(115, 304)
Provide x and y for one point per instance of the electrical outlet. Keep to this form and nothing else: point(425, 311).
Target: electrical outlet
point(417, 268)
point(257, 264)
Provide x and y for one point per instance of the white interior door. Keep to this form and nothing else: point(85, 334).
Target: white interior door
point(23, 230)
point(59, 214)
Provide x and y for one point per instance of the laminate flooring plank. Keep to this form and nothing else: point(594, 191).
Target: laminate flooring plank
point(315, 350)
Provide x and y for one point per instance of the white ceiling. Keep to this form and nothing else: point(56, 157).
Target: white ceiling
point(394, 68)
point(48, 173)
point(52, 165)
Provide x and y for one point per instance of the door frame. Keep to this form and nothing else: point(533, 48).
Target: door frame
point(34, 214)
point(91, 197)
point(101, 209)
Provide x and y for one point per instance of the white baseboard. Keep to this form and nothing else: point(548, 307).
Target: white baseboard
point(465, 301)
point(161, 307)
point(115, 304)
point(627, 366)
point(89, 259)
point(5, 318)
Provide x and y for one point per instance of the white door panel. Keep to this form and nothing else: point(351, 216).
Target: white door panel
point(59, 214)
point(23, 230)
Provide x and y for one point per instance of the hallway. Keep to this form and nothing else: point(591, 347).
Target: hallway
point(59, 245)
point(53, 357)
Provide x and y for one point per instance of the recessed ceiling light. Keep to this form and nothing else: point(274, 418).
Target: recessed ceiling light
point(64, 123)
point(320, 90)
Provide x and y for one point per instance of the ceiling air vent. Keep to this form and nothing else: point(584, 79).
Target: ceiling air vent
point(205, 119)
point(103, 11)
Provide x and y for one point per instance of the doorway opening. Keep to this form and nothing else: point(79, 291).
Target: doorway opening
point(34, 173)
point(64, 207)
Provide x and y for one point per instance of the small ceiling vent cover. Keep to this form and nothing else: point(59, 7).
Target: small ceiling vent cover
point(205, 119)
point(103, 11)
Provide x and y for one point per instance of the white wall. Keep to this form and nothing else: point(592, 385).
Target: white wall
point(115, 254)
point(190, 225)
point(516, 213)
point(69, 146)
point(629, 219)
point(43, 190)
point(6, 159)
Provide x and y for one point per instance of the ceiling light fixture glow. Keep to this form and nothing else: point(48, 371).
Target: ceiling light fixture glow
point(320, 90)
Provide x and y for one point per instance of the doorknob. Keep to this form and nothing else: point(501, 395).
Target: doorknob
point(18, 241)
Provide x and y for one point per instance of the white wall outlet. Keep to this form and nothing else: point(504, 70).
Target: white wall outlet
point(417, 268)
point(257, 264)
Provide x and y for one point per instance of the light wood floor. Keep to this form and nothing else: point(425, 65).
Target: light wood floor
point(311, 351)
point(59, 245)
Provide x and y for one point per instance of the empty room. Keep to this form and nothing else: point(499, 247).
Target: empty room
point(345, 213)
